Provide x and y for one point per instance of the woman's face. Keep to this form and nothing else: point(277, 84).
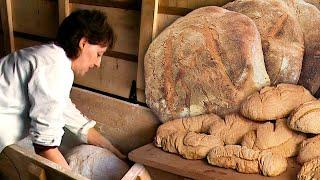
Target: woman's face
point(90, 57)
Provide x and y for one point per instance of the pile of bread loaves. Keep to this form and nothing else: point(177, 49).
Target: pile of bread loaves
point(223, 81)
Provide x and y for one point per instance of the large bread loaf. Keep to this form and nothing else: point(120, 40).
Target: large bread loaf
point(309, 19)
point(281, 35)
point(205, 62)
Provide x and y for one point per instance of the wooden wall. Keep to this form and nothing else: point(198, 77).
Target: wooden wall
point(135, 22)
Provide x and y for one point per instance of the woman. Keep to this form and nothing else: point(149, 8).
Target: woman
point(35, 85)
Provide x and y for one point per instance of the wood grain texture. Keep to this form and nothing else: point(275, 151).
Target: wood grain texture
point(114, 76)
point(147, 33)
point(28, 165)
point(125, 24)
point(40, 18)
point(127, 125)
point(7, 25)
point(149, 155)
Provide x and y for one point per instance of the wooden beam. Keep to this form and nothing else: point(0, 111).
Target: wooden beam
point(148, 28)
point(137, 171)
point(64, 9)
point(7, 27)
point(135, 5)
point(174, 10)
point(29, 165)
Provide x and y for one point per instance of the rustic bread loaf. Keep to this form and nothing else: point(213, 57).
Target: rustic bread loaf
point(306, 118)
point(274, 102)
point(309, 149)
point(247, 160)
point(268, 135)
point(206, 62)
point(316, 3)
point(290, 148)
point(310, 170)
point(233, 128)
point(96, 163)
point(281, 35)
point(309, 19)
point(189, 136)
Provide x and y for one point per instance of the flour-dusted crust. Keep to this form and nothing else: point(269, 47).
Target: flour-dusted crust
point(205, 62)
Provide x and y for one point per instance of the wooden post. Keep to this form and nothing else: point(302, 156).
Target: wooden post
point(137, 171)
point(64, 9)
point(7, 27)
point(148, 27)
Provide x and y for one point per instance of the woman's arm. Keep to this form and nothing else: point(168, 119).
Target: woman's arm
point(53, 154)
point(95, 138)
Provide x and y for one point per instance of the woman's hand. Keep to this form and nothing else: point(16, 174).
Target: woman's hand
point(95, 138)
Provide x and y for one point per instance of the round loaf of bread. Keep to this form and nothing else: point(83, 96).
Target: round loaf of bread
point(206, 62)
point(309, 149)
point(306, 118)
point(281, 36)
point(273, 103)
point(310, 170)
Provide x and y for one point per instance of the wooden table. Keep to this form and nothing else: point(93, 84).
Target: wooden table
point(154, 157)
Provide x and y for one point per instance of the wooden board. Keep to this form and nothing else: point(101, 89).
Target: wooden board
point(152, 156)
point(125, 23)
point(127, 125)
point(114, 76)
point(20, 43)
point(37, 17)
point(192, 4)
point(28, 165)
point(148, 26)
point(6, 24)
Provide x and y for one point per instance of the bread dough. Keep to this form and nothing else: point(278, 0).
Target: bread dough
point(96, 163)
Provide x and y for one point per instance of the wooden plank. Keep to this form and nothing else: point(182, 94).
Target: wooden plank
point(7, 168)
point(152, 156)
point(64, 9)
point(127, 125)
point(40, 18)
point(7, 25)
point(26, 163)
point(164, 20)
point(149, 12)
point(137, 171)
point(20, 43)
point(114, 76)
point(128, 5)
point(193, 4)
point(125, 23)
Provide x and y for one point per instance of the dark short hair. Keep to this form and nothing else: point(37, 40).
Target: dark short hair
point(91, 24)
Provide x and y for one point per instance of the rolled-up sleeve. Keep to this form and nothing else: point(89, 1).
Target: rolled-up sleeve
point(77, 123)
point(49, 90)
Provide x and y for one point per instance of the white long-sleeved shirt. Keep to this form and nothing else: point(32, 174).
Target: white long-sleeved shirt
point(35, 85)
